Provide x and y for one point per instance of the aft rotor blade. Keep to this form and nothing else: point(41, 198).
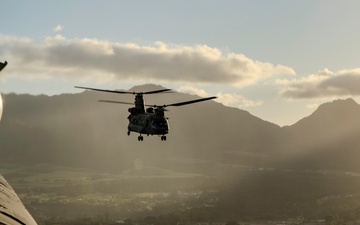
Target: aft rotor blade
point(190, 102)
point(117, 102)
point(103, 90)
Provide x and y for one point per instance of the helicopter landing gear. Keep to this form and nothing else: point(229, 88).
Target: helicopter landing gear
point(128, 133)
point(163, 138)
point(140, 138)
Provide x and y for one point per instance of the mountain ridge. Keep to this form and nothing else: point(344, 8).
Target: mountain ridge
point(69, 128)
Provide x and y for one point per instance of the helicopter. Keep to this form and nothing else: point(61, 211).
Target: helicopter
point(151, 121)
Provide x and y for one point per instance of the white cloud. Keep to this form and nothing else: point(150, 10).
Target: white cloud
point(103, 61)
point(322, 85)
point(227, 99)
point(193, 91)
point(58, 28)
point(312, 106)
point(235, 100)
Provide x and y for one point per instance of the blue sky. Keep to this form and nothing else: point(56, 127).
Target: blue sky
point(276, 59)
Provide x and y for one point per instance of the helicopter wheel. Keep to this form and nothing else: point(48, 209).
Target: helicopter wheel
point(128, 133)
point(140, 138)
point(163, 138)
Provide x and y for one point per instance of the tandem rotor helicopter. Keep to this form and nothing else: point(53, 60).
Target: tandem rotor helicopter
point(151, 121)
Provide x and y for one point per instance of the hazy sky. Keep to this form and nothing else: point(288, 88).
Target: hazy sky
point(276, 59)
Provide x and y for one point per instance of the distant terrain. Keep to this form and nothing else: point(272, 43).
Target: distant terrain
point(219, 163)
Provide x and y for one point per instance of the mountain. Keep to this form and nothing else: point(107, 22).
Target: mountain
point(330, 121)
point(328, 138)
point(208, 137)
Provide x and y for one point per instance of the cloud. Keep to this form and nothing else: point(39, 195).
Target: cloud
point(321, 85)
point(58, 28)
point(104, 61)
point(193, 91)
point(227, 99)
point(312, 106)
point(236, 100)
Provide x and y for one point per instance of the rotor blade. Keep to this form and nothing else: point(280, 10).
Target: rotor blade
point(156, 91)
point(103, 90)
point(125, 92)
point(117, 102)
point(190, 102)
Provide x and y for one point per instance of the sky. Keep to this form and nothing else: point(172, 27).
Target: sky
point(278, 60)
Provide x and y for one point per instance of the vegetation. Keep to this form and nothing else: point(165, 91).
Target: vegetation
point(77, 196)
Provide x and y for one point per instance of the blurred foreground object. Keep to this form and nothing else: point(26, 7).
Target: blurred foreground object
point(2, 65)
point(12, 211)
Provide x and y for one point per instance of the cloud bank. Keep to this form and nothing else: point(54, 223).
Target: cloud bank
point(99, 61)
point(103, 61)
point(227, 99)
point(322, 85)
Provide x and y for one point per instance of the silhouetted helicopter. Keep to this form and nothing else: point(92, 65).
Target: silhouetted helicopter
point(151, 121)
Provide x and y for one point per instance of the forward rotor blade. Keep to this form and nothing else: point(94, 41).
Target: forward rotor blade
point(103, 90)
point(126, 92)
point(190, 102)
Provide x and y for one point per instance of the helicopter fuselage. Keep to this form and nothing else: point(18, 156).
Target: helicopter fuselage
point(151, 121)
point(148, 123)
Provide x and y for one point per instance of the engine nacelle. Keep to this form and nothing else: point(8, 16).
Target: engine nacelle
point(150, 110)
point(132, 110)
